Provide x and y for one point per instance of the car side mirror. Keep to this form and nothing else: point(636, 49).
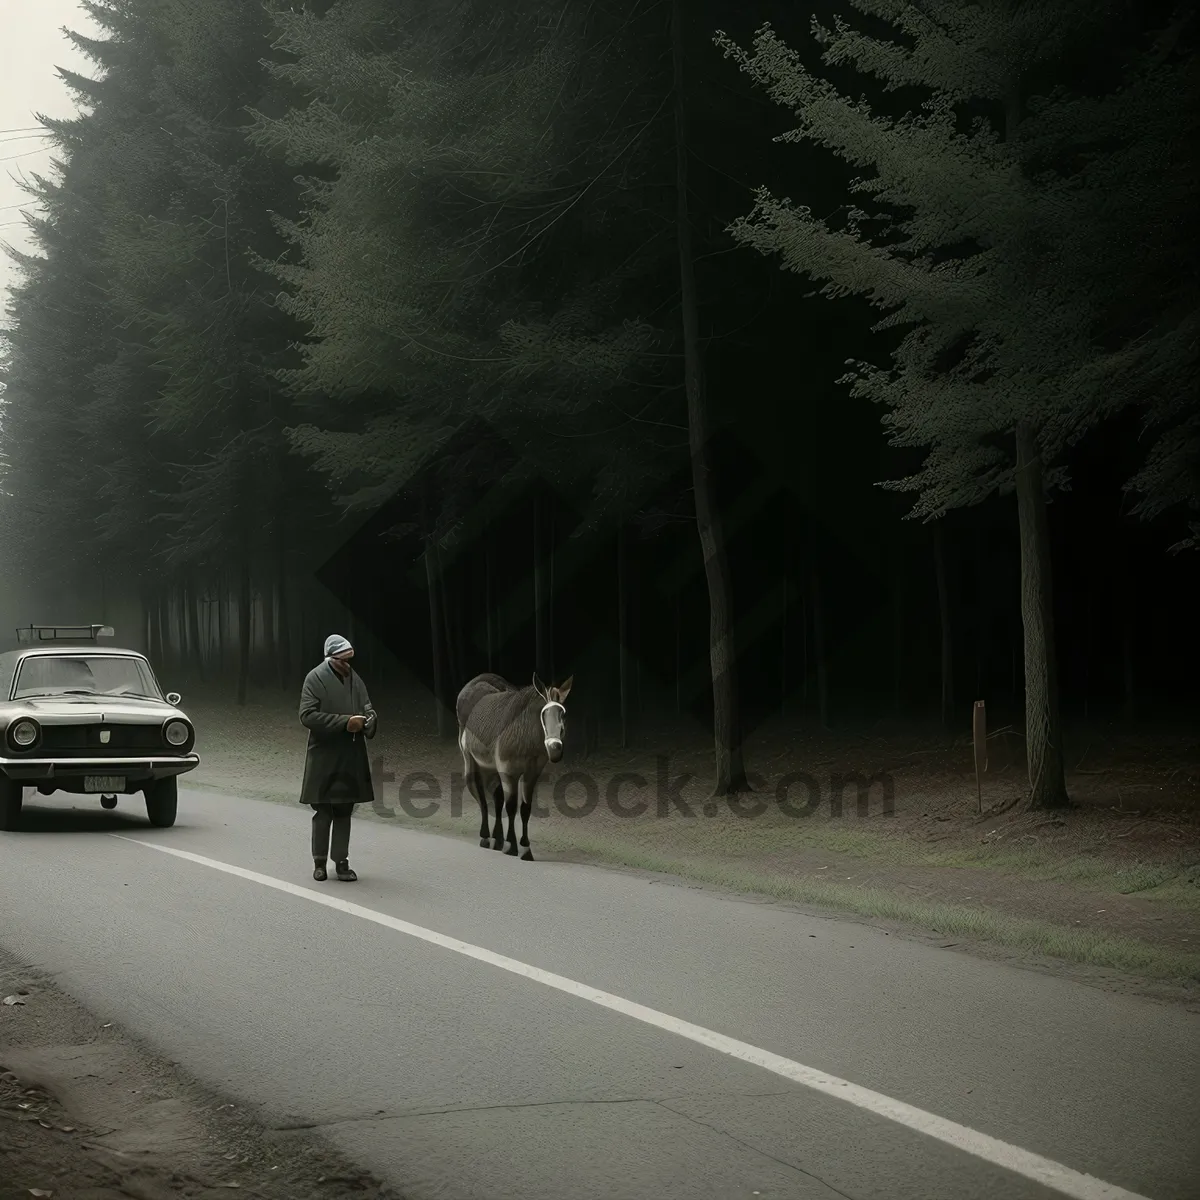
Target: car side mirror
point(174, 698)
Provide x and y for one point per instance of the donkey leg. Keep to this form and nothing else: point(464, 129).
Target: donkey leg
point(473, 777)
point(527, 790)
point(512, 789)
point(478, 788)
point(498, 799)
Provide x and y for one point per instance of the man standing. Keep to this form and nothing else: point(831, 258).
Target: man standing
point(337, 712)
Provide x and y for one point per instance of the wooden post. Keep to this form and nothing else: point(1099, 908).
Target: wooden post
point(979, 737)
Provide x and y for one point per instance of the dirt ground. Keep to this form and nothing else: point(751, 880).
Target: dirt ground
point(1121, 867)
point(88, 1114)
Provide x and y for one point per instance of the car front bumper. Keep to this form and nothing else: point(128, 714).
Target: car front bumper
point(65, 771)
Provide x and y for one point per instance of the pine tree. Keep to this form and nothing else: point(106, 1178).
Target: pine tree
point(74, 476)
point(996, 372)
point(430, 268)
point(1137, 245)
point(173, 417)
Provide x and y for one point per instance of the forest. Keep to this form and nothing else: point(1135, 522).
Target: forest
point(739, 359)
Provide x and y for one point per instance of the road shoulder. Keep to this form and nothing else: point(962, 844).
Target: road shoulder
point(86, 1110)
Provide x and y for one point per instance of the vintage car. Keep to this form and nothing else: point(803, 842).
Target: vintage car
point(88, 719)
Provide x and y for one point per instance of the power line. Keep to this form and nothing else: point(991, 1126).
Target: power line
point(25, 154)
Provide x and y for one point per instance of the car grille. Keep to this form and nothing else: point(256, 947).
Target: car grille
point(85, 739)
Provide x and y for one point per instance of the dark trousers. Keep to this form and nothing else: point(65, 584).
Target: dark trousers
point(337, 818)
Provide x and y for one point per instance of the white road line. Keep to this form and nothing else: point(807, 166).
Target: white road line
point(1012, 1158)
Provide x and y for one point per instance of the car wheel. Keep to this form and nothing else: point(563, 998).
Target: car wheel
point(162, 802)
point(11, 795)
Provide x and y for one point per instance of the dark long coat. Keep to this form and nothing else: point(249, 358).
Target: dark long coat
point(336, 768)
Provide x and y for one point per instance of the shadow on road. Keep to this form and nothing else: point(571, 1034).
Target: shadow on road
point(35, 819)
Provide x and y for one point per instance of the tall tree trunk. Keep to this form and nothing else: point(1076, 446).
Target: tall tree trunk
point(435, 636)
point(167, 645)
point(437, 602)
point(541, 650)
point(205, 615)
point(450, 623)
point(727, 733)
point(679, 653)
point(195, 637)
point(804, 649)
point(245, 609)
point(303, 622)
point(551, 665)
point(943, 594)
point(783, 632)
point(819, 647)
point(1128, 615)
point(487, 600)
point(1087, 655)
point(1128, 628)
point(622, 638)
point(222, 623)
point(157, 641)
point(433, 587)
point(284, 657)
point(147, 619)
point(897, 623)
point(160, 641)
point(179, 604)
point(982, 614)
point(638, 708)
point(270, 655)
point(1043, 723)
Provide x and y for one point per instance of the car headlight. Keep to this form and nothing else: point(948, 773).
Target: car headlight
point(23, 733)
point(177, 733)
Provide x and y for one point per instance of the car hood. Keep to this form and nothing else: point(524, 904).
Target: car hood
point(92, 710)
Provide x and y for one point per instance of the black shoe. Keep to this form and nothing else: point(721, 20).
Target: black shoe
point(319, 873)
point(344, 873)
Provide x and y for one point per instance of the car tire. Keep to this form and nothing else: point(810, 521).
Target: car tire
point(11, 796)
point(162, 802)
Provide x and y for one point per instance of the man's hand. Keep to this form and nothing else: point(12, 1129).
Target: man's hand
point(355, 724)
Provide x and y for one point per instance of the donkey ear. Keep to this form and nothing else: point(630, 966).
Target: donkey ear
point(539, 686)
point(564, 688)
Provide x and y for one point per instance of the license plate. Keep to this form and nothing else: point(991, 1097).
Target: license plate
point(104, 783)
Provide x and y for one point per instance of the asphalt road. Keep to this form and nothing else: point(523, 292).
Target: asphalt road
point(459, 1076)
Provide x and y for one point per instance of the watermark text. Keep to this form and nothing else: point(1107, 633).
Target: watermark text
point(628, 794)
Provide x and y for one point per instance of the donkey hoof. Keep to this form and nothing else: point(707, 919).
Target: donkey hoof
point(511, 849)
point(527, 855)
point(498, 844)
point(486, 843)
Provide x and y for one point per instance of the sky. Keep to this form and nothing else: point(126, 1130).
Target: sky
point(32, 45)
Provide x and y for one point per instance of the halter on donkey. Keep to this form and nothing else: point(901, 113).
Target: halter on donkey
point(505, 748)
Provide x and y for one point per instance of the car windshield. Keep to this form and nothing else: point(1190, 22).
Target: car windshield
point(84, 675)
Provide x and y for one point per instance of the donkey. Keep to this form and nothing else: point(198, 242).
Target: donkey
point(507, 735)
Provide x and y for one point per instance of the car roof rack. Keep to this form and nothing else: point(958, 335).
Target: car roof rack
point(30, 634)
